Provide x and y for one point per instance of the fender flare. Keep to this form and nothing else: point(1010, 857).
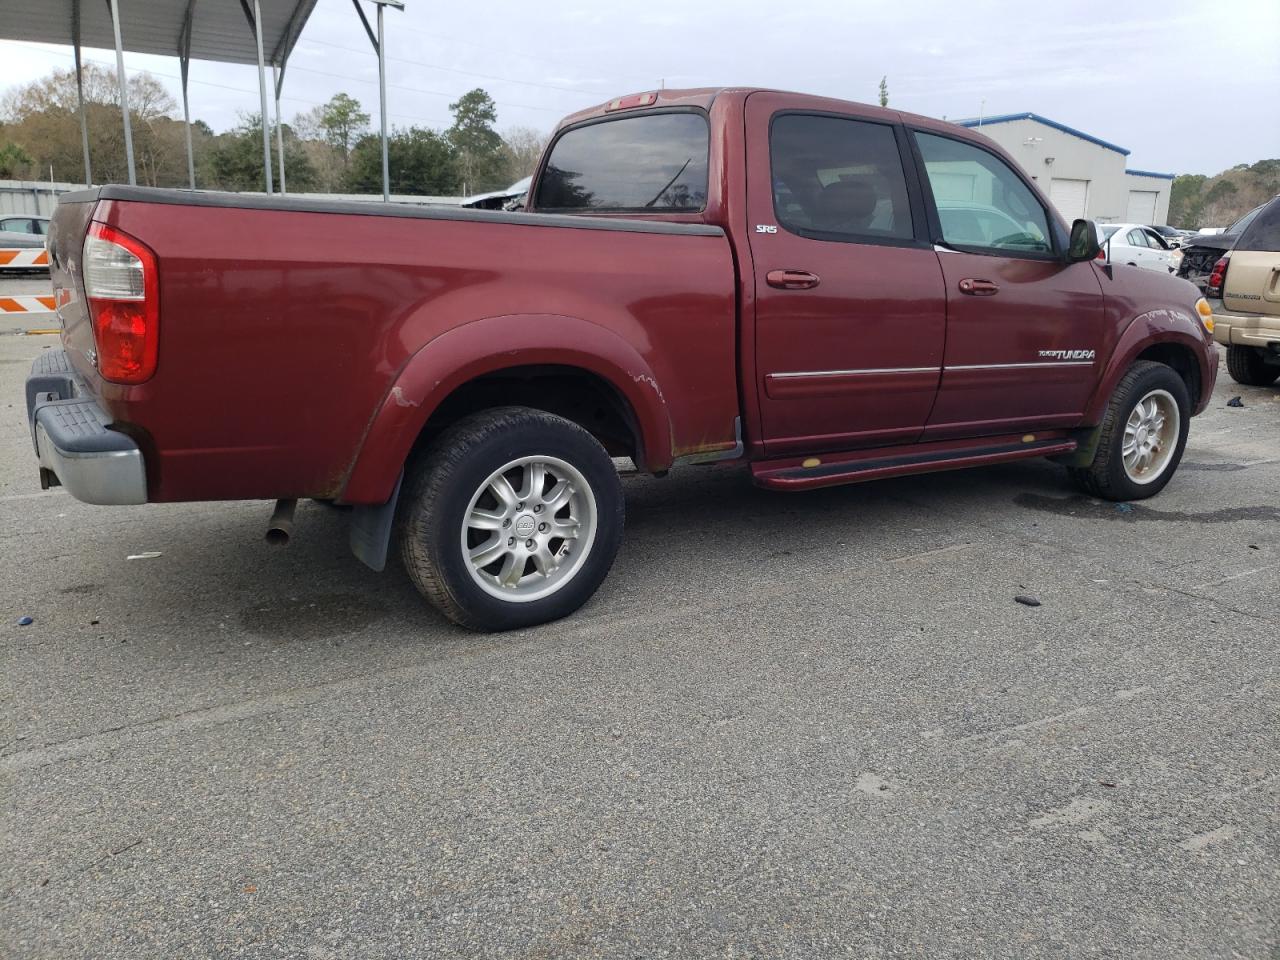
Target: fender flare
point(490, 345)
point(1159, 326)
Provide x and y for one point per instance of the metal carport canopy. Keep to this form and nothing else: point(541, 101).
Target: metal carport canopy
point(248, 31)
point(218, 29)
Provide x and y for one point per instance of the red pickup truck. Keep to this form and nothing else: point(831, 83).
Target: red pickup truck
point(825, 291)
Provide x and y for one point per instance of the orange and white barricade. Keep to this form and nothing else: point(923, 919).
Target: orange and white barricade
point(23, 258)
point(10, 306)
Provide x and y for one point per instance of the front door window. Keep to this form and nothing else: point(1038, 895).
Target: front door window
point(982, 204)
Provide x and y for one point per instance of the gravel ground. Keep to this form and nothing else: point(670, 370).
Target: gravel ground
point(788, 726)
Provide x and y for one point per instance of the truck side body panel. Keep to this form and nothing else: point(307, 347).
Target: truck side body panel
point(283, 332)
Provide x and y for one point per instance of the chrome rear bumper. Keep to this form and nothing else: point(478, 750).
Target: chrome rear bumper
point(75, 445)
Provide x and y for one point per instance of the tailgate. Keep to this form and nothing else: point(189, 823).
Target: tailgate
point(66, 247)
point(1253, 282)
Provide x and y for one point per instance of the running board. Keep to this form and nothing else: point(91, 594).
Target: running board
point(862, 465)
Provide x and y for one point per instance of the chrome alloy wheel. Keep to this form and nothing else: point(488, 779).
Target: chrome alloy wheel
point(528, 528)
point(1151, 436)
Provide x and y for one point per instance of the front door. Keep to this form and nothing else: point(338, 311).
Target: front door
point(1024, 327)
point(850, 312)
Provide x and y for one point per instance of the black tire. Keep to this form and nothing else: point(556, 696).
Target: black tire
point(1248, 365)
point(1106, 477)
point(439, 490)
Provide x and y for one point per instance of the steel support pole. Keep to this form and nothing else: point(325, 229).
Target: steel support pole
point(84, 120)
point(184, 60)
point(275, 76)
point(114, 6)
point(382, 104)
point(262, 90)
point(186, 124)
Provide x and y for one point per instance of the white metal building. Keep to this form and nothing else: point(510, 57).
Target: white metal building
point(1083, 175)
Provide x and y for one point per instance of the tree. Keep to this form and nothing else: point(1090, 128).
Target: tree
point(42, 119)
point(420, 162)
point(236, 159)
point(884, 91)
point(478, 145)
point(521, 149)
point(1184, 199)
point(1199, 201)
point(13, 160)
point(342, 123)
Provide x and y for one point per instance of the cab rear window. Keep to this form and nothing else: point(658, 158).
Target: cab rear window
point(653, 163)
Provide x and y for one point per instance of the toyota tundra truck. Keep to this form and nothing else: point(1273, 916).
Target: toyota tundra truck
point(821, 291)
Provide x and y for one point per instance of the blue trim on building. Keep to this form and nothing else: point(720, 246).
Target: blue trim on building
point(1148, 173)
point(1009, 117)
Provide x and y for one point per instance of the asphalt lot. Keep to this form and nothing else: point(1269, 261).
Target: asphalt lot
point(798, 726)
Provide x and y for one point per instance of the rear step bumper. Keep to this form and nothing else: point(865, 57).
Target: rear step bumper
point(74, 443)
point(856, 468)
point(1234, 328)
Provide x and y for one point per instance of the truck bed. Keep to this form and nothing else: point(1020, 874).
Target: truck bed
point(286, 323)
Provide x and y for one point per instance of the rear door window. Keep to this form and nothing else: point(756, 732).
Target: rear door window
point(1263, 232)
point(653, 163)
point(982, 204)
point(838, 179)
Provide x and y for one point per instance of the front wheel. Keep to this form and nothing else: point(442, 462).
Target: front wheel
point(513, 519)
point(1144, 432)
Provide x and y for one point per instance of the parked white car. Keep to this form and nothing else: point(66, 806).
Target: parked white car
point(26, 227)
point(1137, 246)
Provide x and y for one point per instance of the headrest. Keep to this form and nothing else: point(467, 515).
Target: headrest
point(846, 201)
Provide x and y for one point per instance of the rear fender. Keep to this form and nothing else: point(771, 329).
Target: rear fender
point(487, 346)
point(1160, 326)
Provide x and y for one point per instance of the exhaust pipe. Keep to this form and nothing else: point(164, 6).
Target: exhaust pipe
point(280, 526)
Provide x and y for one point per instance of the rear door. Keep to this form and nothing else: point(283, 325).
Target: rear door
point(1024, 327)
point(1138, 247)
point(1253, 273)
point(850, 308)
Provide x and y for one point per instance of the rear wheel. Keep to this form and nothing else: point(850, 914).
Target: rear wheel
point(1144, 432)
point(1248, 365)
point(513, 519)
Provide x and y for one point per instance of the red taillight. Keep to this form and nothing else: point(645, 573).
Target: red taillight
point(122, 288)
point(1217, 277)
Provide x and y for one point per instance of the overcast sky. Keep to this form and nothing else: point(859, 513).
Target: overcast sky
point(1188, 87)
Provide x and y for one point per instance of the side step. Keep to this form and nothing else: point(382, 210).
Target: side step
point(855, 467)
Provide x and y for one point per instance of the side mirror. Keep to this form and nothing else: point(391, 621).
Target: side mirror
point(1084, 242)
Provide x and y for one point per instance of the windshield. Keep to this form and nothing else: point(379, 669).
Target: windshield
point(655, 163)
point(1107, 232)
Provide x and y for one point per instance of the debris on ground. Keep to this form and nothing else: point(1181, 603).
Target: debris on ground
point(1235, 402)
point(1124, 508)
point(149, 555)
point(25, 621)
point(1026, 600)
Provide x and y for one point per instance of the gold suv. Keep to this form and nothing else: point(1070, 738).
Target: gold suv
point(1244, 291)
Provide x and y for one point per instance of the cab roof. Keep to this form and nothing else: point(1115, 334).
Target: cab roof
point(704, 97)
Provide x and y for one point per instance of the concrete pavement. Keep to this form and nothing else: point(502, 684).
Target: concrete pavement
point(788, 726)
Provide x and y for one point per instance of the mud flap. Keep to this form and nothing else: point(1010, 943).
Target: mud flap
point(1086, 450)
point(370, 534)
